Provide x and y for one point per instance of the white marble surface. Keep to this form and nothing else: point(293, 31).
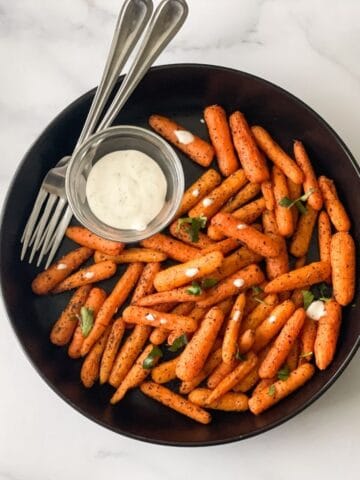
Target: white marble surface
point(50, 53)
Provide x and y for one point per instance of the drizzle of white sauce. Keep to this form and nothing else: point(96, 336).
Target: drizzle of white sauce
point(272, 319)
point(163, 321)
point(207, 202)
point(191, 272)
point(89, 275)
point(236, 315)
point(316, 310)
point(239, 282)
point(61, 266)
point(184, 136)
point(150, 317)
point(241, 226)
point(195, 192)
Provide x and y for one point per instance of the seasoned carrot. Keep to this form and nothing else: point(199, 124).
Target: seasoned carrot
point(172, 248)
point(181, 232)
point(295, 191)
point(246, 194)
point(251, 211)
point(253, 298)
point(91, 366)
point(278, 265)
point(111, 349)
point(233, 325)
point(239, 259)
point(282, 345)
point(292, 360)
point(128, 354)
point(165, 372)
point(232, 285)
point(198, 190)
point(271, 326)
point(197, 350)
point(263, 386)
point(159, 335)
point(93, 273)
point(277, 155)
point(246, 341)
point(184, 308)
point(251, 158)
point(327, 335)
point(301, 240)
point(233, 378)
point(181, 294)
point(269, 222)
point(84, 237)
point(64, 327)
point(132, 255)
point(135, 376)
point(154, 318)
point(145, 284)
point(268, 194)
point(176, 402)
point(324, 236)
point(252, 238)
point(343, 260)
point(93, 303)
point(252, 378)
point(111, 305)
point(307, 340)
point(220, 372)
point(224, 246)
point(230, 402)
point(211, 363)
point(310, 181)
point(283, 215)
point(194, 147)
point(315, 272)
point(45, 281)
point(281, 389)
point(335, 209)
point(212, 203)
point(262, 310)
point(220, 136)
point(183, 273)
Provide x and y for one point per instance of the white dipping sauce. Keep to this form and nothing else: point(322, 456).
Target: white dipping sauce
point(126, 189)
point(316, 310)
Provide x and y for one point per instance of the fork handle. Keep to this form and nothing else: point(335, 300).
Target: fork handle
point(130, 24)
point(165, 23)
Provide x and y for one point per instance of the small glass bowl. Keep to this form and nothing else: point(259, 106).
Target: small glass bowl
point(124, 137)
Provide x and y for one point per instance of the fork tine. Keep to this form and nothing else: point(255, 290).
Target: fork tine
point(48, 234)
point(42, 224)
point(29, 227)
point(59, 234)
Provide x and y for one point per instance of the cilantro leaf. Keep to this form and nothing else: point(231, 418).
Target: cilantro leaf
point(86, 320)
point(178, 343)
point(208, 282)
point(193, 226)
point(308, 298)
point(283, 373)
point(150, 360)
point(286, 202)
point(272, 390)
point(322, 291)
point(298, 202)
point(194, 289)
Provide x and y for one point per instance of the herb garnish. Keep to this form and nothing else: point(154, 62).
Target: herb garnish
point(308, 298)
point(86, 320)
point(194, 289)
point(283, 373)
point(208, 283)
point(197, 288)
point(256, 290)
point(321, 291)
point(150, 360)
point(272, 390)
point(178, 343)
point(298, 202)
point(193, 226)
point(307, 354)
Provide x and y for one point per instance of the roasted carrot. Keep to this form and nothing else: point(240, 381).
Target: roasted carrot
point(277, 155)
point(283, 215)
point(212, 203)
point(90, 368)
point(128, 354)
point(172, 248)
point(232, 285)
point(64, 327)
point(251, 158)
point(282, 345)
point(327, 335)
point(220, 136)
point(263, 309)
point(310, 181)
point(301, 239)
point(220, 372)
point(197, 350)
point(181, 232)
point(278, 265)
point(239, 259)
point(198, 190)
point(84, 237)
point(233, 325)
point(111, 305)
point(295, 191)
point(292, 360)
point(184, 308)
point(193, 146)
point(211, 363)
point(93, 303)
point(111, 349)
point(132, 255)
point(252, 378)
point(335, 209)
point(268, 194)
point(224, 246)
point(165, 372)
point(315, 272)
point(230, 402)
point(147, 316)
point(246, 341)
point(246, 194)
point(324, 236)
point(253, 298)
point(93, 273)
point(145, 284)
point(281, 389)
point(343, 259)
point(176, 402)
point(307, 340)
point(182, 294)
point(45, 281)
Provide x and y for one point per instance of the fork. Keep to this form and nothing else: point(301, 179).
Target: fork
point(39, 231)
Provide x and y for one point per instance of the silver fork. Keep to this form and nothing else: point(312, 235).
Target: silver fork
point(40, 231)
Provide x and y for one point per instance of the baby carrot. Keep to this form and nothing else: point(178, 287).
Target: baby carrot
point(132, 255)
point(277, 155)
point(84, 237)
point(165, 372)
point(45, 281)
point(283, 215)
point(324, 236)
point(145, 284)
point(230, 402)
point(251, 158)
point(278, 265)
point(91, 365)
point(220, 372)
point(154, 318)
point(251, 211)
point(335, 209)
point(327, 335)
point(301, 239)
point(239, 259)
point(233, 325)
point(182, 294)
point(246, 194)
point(307, 340)
point(295, 191)
point(310, 181)
point(246, 341)
point(343, 259)
point(181, 232)
point(315, 272)
point(211, 363)
point(268, 194)
point(219, 132)
point(224, 246)
point(260, 312)
point(111, 348)
point(252, 378)
point(172, 248)
point(292, 360)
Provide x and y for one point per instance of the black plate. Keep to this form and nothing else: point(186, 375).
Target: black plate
point(179, 91)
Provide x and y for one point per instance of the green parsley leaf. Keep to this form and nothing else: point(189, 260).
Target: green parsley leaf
point(301, 207)
point(150, 360)
point(208, 283)
point(307, 354)
point(193, 226)
point(298, 202)
point(286, 202)
point(272, 390)
point(283, 373)
point(308, 298)
point(194, 289)
point(178, 343)
point(322, 291)
point(240, 356)
point(86, 320)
